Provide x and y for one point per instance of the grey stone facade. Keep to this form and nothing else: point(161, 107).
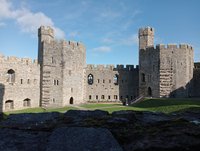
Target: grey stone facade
point(61, 76)
point(62, 68)
point(165, 71)
point(111, 83)
point(19, 83)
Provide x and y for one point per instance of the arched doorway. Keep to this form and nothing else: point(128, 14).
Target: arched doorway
point(9, 104)
point(27, 102)
point(71, 101)
point(149, 91)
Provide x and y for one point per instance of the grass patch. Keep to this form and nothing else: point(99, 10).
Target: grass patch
point(165, 105)
point(152, 105)
point(40, 110)
point(96, 105)
point(168, 105)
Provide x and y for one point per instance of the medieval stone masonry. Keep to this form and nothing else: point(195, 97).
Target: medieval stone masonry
point(61, 77)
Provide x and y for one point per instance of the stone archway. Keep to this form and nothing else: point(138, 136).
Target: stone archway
point(71, 100)
point(9, 105)
point(149, 91)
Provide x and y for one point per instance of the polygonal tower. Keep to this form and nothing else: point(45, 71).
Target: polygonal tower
point(44, 34)
point(148, 63)
point(146, 37)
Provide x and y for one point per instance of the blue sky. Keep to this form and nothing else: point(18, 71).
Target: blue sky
point(108, 28)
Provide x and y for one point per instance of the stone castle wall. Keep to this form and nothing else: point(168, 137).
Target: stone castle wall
point(74, 63)
point(106, 88)
point(176, 70)
point(19, 79)
point(62, 67)
point(196, 80)
point(61, 76)
point(149, 72)
point(165, 71)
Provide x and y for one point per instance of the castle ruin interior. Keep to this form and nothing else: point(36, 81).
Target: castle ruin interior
point(60, 75)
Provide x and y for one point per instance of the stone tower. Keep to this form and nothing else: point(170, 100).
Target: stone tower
point(164, 71)
point(62, 70)
point(44, 34)
point(148, 63)
point(146, 37)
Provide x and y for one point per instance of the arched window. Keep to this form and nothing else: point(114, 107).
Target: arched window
point(71, 100)
point(11, 76)
point(149, 91)
point(115, 78)
point(27, 103)
point(143, 77)
point(90, 79)
point(9, 105)
point(102, 97)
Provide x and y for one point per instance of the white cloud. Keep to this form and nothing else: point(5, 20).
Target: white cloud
point(28, 21)
point(132, 40)
point(102, 49)
point(5, 7)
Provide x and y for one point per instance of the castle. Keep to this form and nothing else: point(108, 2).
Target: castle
point(61, 77)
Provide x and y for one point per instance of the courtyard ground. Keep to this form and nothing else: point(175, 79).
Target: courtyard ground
point(152, 105)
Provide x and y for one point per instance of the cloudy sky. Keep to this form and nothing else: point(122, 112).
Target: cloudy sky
point(108, 28)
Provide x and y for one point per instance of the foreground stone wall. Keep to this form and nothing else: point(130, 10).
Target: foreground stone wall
point(119, 131)
point(19, 79)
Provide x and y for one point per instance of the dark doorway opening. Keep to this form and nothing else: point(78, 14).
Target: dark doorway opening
point(149, 91)
point(71, 101)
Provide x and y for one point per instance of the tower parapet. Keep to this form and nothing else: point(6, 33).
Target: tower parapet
point(19, 61)
point(174, 46)
point(112, 67)
point(45, 33)
point(146, 37)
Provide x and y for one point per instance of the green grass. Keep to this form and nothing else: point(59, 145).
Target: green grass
point(40, 110)
point(153, 105)
point(95, 105)
point(168, 105)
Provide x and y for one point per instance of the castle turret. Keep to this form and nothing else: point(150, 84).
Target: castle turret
point(146, 37)
point(44, 34)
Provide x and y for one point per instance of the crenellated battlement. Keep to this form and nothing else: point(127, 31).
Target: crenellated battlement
point(174, 46)
point(112, 67)
point(146, 31)
point(16, 60)
point(66, 44)
point(72, 44)
point(46, 30)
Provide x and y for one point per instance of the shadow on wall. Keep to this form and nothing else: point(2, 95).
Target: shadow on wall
point(191, 90)
point(182, 92)
point(128, 84)
point(196, 81)
point(2, 90)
